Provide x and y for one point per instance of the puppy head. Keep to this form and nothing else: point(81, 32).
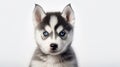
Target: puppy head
point(53, 30)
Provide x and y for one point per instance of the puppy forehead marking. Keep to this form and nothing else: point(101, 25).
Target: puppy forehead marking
point(59, 29)
point(47, 28)
point(53, 21)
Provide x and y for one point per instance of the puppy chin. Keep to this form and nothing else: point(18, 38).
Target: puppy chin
point(55, 53)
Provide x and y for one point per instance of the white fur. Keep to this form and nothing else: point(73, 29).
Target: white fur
point(48, 29)
point(59, 29)
point(36, 63)
point(53, 22)
point(51, 62)
point(45, 44)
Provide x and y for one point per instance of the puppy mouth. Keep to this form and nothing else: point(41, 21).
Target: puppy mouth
point(54, 52)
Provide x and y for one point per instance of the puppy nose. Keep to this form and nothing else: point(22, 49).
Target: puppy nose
point(53, 46)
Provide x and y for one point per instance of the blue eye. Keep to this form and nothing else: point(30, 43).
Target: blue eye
point(45, 33)
point(62, 34)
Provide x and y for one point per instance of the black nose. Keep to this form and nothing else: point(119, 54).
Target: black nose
point(53, 46)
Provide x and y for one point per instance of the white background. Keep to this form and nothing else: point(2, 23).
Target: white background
point(96, 39)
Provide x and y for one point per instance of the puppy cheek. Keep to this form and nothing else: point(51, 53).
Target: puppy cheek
point(45, 46)
point(41, 44)
point(44, 50)
point(66, 43)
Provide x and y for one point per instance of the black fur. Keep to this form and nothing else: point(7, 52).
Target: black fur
point(61, 21)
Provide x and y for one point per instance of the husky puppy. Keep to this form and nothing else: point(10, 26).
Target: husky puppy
point(53, 35)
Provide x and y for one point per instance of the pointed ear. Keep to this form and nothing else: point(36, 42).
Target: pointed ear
point(38, 14)
point(68, 14)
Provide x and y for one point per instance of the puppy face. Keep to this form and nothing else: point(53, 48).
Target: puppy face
point(53, 31)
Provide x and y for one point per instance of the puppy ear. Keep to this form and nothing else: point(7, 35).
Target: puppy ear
point(68, 14)
point(38, 14)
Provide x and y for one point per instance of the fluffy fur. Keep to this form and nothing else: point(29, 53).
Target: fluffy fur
point(53, 35)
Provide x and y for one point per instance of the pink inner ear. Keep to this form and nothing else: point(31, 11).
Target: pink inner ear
point(68, 16)
point(37, 16)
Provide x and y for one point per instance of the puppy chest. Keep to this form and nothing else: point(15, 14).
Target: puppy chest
point(46, 64)
point(52, 62)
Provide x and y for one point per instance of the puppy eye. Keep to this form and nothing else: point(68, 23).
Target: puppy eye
point(62, 33)
point(45, 33)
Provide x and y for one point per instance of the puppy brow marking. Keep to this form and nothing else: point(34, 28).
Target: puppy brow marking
point(60, 28)
point(48, 29)
point(53, 22)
